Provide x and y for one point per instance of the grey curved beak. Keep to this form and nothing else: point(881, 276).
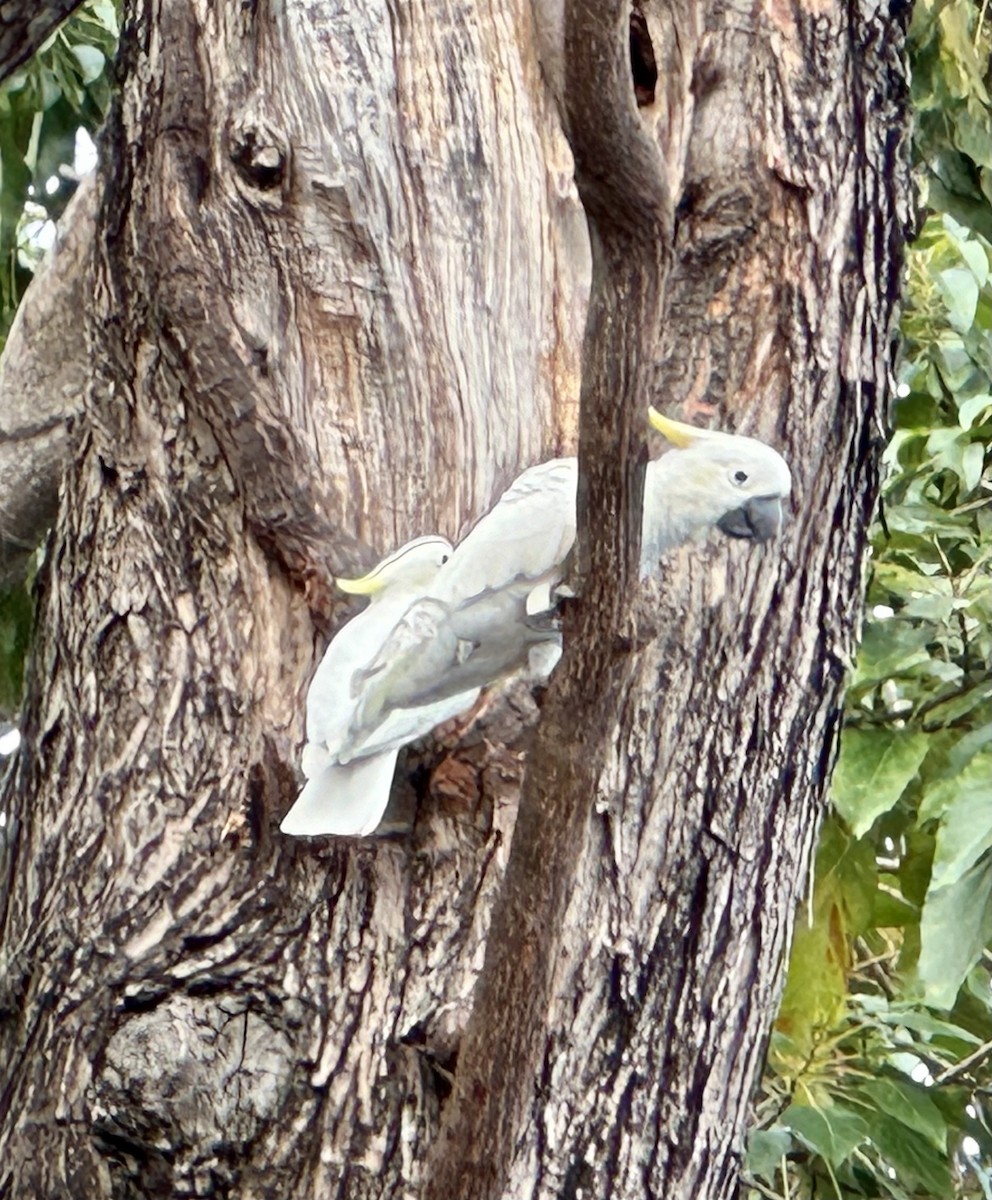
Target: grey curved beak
point(760, 519)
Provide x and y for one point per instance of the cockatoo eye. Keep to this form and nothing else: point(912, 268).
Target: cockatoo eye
point(444, 559)
point(739, 477)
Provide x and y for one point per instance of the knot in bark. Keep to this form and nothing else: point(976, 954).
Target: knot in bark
point(192, 1072)
point(261, 156)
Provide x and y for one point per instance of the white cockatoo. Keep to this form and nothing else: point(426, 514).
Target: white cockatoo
point(488, 610)
point(350, 798)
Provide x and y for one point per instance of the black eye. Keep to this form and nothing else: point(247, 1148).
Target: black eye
point(740, 477)
point(444, 559)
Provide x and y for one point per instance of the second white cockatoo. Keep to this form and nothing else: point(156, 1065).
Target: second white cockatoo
point(363, 785)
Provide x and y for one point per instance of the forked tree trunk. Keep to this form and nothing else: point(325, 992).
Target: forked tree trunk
point(340, 280)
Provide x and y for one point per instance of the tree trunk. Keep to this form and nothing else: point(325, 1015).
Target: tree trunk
point(337, 300)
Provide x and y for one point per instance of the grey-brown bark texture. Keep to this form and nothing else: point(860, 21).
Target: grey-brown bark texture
point(337, 299)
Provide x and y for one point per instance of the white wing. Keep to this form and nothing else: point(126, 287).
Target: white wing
point(401, 726)
point(480, 619)
point(329, 702)
point(351, 799)
point(406, 663)
point(331, 698)
point(526, 536)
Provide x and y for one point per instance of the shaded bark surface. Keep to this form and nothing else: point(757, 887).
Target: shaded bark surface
point(339, 299)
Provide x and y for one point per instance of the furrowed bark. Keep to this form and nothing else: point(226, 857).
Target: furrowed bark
point(655, 981)
point(294, 366)
point(666, 979)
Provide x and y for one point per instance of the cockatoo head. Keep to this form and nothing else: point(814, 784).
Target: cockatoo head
point(411, 566)
point(735, 483)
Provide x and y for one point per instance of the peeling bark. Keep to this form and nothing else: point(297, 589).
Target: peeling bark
point(340, 283)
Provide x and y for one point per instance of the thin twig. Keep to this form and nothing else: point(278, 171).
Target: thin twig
point(959, 1067)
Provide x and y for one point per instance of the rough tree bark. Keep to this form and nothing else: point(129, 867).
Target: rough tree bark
point(337, 299)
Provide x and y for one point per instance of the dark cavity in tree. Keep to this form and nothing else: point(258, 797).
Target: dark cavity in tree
point(260, 162)
point(643, 67)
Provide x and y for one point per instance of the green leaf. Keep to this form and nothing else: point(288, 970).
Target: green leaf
point(892, 911)
point(874, 768)
point(961, 704)
point(91, 61)
point(972, 464)
point(816, 987)
point(969, 249)
point(914, 870)
point(963, 69)
point(15, 630)
point(971, 136)
point(845, 878)
point(956, 923)
point(832, 1132)
point(902, 1015)
point(902, 582)
point(909, 1104)
point(971, 743)
point(891, 648)
point(765, 1150)
point(963, 204)
point(104, 12)
point(915, 1161)
point(955, 928)
point(51, 89)
point(963, 803)
point(960, 292)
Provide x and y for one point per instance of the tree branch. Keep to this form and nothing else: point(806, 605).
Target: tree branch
point(24, 25)
point(43, 374)
point(622, 183)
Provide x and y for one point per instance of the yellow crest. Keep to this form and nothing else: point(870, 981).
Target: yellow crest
point(678, 434)
point(365, 585)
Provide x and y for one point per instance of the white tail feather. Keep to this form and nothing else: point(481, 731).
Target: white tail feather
point(345, 800)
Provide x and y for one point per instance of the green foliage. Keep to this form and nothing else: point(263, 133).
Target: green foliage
point(15, 630)
point(874, 769)
point(879, 1065)
point(65, 87)
point(949, 44)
